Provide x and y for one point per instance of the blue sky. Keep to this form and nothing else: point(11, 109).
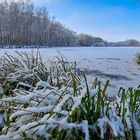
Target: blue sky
point(112, 20)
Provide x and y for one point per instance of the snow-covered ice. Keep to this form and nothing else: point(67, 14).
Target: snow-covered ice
point(103, 62)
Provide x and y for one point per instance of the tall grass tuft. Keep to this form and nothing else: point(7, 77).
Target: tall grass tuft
point(138, 58)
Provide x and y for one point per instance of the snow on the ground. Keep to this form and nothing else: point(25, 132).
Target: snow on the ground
point(107, 60)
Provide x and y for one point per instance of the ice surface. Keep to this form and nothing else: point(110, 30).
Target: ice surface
point(108, 60)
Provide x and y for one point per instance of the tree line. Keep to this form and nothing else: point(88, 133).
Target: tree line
point(23, 24)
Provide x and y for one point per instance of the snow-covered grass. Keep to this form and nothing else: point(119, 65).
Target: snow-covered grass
point(52, 101)
point(103, 62)
point(138, 58)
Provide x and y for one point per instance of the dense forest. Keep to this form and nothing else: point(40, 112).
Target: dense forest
point(21, 24)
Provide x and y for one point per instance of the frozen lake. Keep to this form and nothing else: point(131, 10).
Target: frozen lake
point(116, 64)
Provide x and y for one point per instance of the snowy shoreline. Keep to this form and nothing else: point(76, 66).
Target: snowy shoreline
point(49, 47)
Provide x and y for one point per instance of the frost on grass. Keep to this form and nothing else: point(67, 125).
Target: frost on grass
point(39, 102)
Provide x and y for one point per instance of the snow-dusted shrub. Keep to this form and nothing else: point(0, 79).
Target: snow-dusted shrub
point(51, 101)
point(138, 58)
